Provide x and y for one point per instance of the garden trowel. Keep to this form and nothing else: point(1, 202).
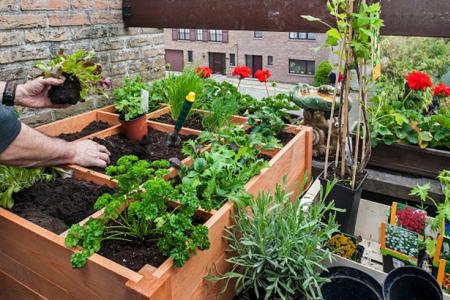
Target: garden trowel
point(173, 139)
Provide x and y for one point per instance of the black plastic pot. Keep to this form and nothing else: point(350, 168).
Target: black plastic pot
point(345, 198)
point(349, 283)
point(411, 283)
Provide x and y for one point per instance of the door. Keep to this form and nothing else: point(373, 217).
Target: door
point(254, 62)
point(176, 59)
point(217, 62)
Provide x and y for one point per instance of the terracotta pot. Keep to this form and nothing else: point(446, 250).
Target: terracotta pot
point(136, 129)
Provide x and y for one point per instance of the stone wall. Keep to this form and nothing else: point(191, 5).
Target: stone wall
point(33, 30)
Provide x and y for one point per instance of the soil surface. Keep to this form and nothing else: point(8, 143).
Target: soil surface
point(194, 121)
point(93, 127)
point(150, 148)
point(285, 137)
point(133, 255)
point(265, 157)
point(58, 204)
point(68, 93)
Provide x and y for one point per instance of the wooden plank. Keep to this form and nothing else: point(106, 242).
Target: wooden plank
point(45, 254)
point(69, 125)
point(402, 17)
point(11, 289)
point(28, 278)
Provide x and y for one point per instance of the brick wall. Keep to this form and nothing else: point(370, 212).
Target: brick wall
point(33, 30)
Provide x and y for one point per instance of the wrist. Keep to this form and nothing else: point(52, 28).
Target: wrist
point(69, 152)
point(20, 95)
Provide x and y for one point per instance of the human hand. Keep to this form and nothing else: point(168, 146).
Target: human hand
point(88, 153)
point(34, 93)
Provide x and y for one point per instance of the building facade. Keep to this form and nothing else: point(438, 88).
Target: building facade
point(290, 56)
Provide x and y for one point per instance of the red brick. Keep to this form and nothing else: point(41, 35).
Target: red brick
point(80, 4)
point(106, 17)
point(10, 38)
point(44, 4)
point(115, 4)
point(99, 4)
point(8, 5)
point(47, 35)
point(23, 53)
point(21, 21)
point(68, 19)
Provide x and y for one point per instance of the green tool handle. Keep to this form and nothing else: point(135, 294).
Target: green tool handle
point(187, 105)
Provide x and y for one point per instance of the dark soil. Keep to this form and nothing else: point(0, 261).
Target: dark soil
point(194, 121)
point(133, 255)
point(68, 93)
point(265, 157)
point(150, 148)
point(94, 126)
point(58, 204)
point(285, 137)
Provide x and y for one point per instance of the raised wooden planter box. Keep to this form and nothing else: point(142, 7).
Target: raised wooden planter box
point(410, 159)
point(35, 264)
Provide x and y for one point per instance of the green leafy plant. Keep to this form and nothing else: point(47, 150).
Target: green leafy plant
point(356, 34)
point(128, 98)
point(322, 74)
point(266, 125)
point(179, 86)
point(221, 111)
point(77, 66)
point(220, 174)
point(279, 245)
point(402, 240)
point(148, 214)
point(14, 179)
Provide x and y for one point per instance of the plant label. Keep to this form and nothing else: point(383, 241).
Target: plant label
point(144, 100)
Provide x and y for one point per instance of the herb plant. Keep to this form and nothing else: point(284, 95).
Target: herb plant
point(128, 98)
point(266, 125)
point(178, 86)
point(402, 240)
point(221, 112)
point(76, 67)
point(278, 246)
point(148, 214)
point(14, 179)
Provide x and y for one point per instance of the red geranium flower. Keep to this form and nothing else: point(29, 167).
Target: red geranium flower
point(204, 72)
point(418, 81)
point(441, 90)
point(241, 71)
point(341, 77)
point(263, 75)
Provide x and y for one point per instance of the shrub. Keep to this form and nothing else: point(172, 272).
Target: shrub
point(322, 73)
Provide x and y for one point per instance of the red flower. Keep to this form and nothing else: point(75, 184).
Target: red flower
point(412, 219)
point(263, 75)
point(241, 71)
point(418, 81)
point(341, 77)
point(441, 90)
point(204, 72)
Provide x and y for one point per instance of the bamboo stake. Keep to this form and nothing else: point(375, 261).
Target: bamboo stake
point(356, 154)
point(333, 106)
point(363, 152)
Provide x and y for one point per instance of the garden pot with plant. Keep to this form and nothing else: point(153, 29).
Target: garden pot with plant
point(81, 77)
point(132, 108)
point(356, 37)
point(346, 246)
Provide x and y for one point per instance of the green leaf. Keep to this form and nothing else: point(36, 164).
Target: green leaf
point(310, 18)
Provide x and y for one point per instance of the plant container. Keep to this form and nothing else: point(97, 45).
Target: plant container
point(401, 158)
point(350, 283)
point(35, 263)
point(346, 198)
point(411, 282)
point(136, 129)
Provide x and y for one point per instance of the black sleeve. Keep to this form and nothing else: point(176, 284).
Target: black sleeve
point(10, 127)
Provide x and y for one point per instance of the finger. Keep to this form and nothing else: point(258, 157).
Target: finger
point(99, 163)
point(51, 81)
point(104, 157)
point(103, 149)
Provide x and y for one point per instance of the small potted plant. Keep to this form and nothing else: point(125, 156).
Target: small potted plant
point(346, 246)
point(408, 217)
point(399, 246)
point(81, 77)
point(129, 104)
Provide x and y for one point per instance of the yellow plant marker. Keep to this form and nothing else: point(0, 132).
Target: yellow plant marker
point(376, 72)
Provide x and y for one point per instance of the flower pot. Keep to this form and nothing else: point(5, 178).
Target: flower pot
point(345, 198)
point(411, 283)
point(136, 129)
point(350, 283)
point(68, 93)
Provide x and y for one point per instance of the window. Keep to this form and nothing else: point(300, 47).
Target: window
point(215, 35)
point(232, 59)
point(258, 34)
point(270, 60)
point(304, 67)
point(199, 35)
point(190, 56)
point(302, 36)
point(185, 34)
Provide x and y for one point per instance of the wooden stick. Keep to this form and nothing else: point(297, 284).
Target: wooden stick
point(356, 154)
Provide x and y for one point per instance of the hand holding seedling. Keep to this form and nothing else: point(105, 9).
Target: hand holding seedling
point(34, 93)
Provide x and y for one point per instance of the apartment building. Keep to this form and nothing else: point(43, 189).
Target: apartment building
point(290, 56)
